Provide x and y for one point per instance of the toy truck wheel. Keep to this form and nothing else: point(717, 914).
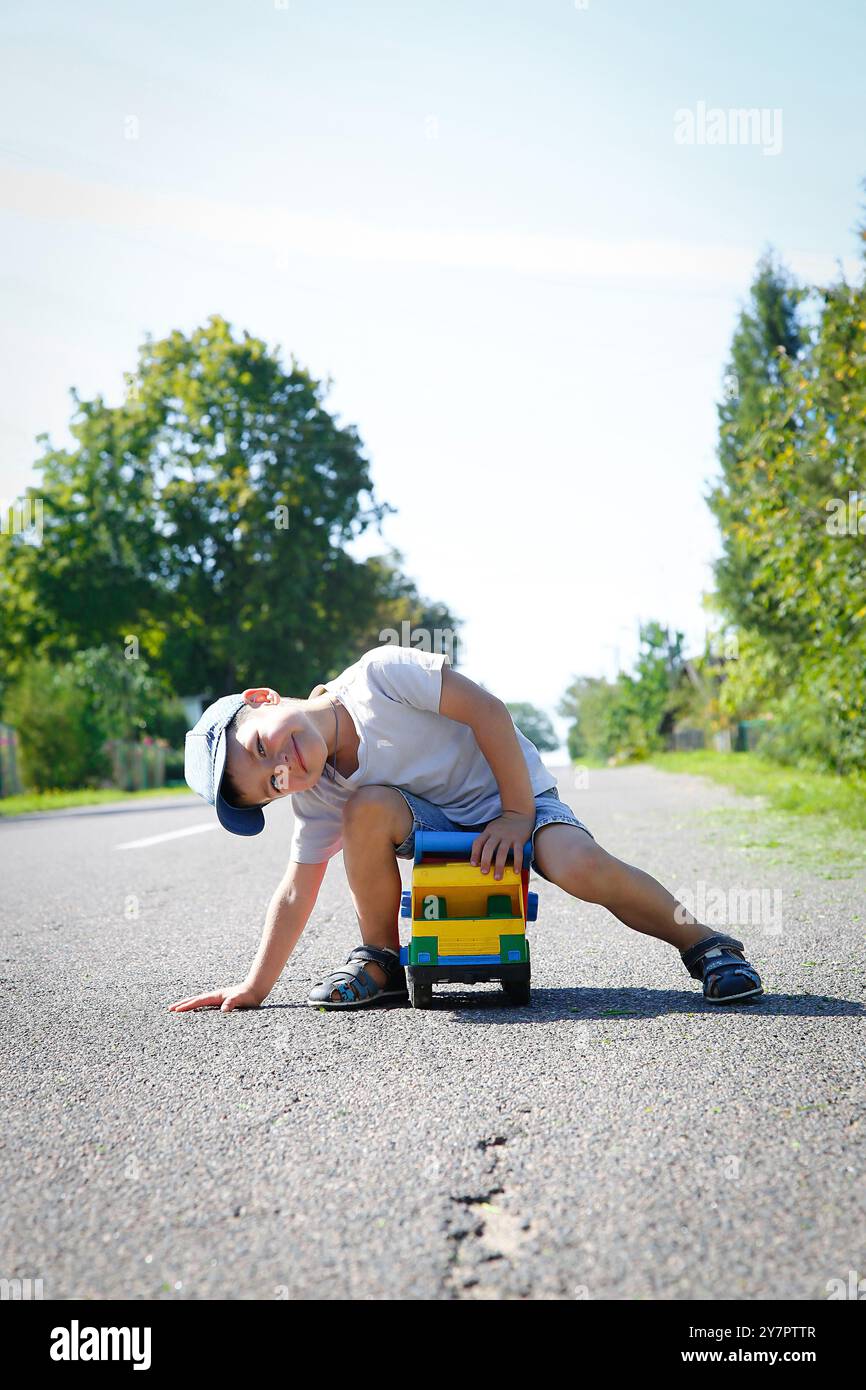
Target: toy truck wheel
point(517, 991)
point(420, 994)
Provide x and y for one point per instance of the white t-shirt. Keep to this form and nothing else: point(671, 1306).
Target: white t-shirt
point(392, 695)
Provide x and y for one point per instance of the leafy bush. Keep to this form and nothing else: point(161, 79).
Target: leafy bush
point(128, 700)
point(60, 735)
point(66, 713)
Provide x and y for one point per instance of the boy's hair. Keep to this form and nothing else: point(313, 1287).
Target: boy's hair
point(229, 789)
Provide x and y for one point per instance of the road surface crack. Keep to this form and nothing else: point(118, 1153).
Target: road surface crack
point(485, 1235)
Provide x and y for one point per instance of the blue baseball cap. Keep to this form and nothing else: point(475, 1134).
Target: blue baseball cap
point(204, 763)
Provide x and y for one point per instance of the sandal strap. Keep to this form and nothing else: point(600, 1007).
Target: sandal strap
point(728, 965)
point(695, 954)
point(355, 978)
point(352, 978)
point(379, 955)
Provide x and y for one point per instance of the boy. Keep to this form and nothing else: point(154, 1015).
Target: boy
point(397, 742)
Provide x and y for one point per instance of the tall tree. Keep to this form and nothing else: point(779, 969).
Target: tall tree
point(535, 724)
point(209, 515)
point(768, 337)
point(792, 511)
point(631, 716)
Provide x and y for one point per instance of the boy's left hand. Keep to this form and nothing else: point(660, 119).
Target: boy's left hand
point(510, 831)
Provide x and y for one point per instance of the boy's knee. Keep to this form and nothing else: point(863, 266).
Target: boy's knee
point(582, 870)
point(377, 809)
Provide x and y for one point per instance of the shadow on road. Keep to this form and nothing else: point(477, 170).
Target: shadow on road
point(607, 1005)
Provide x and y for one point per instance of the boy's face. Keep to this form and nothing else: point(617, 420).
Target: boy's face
point(273, 748)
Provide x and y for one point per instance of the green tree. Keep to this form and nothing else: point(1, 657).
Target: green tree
point(125, 697)
point(767, 341)
point(588, 703)
point(535, 724)
point(655, 693)
point(210, 516)
point(631, 717)
point(792, 510)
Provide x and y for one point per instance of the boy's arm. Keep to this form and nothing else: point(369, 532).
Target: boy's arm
point(493, 728)
point(287, 915)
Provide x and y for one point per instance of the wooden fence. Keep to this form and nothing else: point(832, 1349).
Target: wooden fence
point(10, 780)
point(134, 766)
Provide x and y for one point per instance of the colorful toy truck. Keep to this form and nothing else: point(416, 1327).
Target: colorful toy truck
point(466, 926)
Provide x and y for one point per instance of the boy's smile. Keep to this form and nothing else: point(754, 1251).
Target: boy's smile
point(298, 753)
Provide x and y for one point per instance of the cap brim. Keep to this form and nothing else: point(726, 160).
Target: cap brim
point(240, 820)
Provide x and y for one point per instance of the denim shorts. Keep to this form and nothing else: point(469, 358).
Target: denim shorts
point(549, 810)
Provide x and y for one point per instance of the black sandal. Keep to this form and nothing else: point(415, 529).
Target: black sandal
point(727, 976)
point(356, 986)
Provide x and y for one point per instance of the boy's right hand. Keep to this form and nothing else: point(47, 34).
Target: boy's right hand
point(234, 997)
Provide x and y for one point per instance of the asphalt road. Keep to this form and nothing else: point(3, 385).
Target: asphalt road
point(620, 1139)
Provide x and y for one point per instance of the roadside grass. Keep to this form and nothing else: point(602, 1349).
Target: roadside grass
point(29, 802)
point(815, 818)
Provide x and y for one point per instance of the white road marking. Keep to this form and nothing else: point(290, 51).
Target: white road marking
point(170, 835)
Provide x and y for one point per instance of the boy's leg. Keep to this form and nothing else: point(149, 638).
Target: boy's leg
point(376, 821)
point(571, 859)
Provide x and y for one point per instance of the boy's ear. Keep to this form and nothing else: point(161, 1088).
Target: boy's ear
point(261, 695)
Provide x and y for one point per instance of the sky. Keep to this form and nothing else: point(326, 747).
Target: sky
point(514, 236)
